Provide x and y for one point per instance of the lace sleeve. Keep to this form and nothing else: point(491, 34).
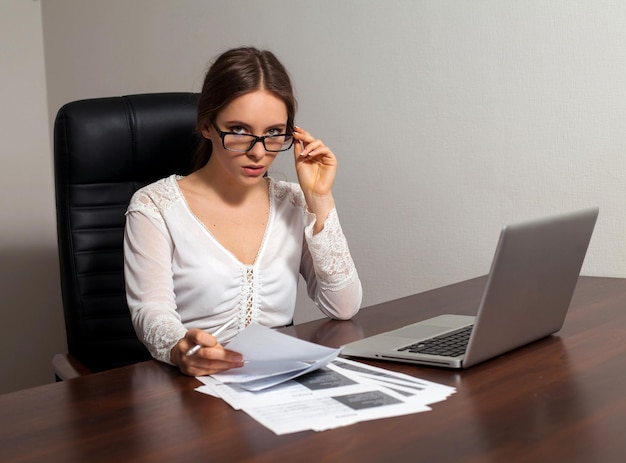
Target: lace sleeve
point(155, 198)
point(162, 335)
point(330, 253)
point(148, 272)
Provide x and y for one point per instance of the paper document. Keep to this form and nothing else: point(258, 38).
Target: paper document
point(341, 393)
point(272, 358)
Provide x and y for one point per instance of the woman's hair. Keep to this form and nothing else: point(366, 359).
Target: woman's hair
point(235, 73)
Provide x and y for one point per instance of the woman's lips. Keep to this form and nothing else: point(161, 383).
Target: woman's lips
point(253, 171)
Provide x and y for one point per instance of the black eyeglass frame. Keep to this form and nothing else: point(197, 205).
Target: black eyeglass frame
point(255, 140)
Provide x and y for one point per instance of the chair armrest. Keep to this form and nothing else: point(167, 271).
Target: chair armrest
point(66, 366)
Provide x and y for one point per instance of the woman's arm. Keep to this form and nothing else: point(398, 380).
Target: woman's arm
point(151, 300)
point(316, 166)
point(327, 266)
point(149, 284)
point(332, 280)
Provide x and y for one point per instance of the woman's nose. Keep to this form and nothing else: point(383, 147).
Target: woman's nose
point(257, 151)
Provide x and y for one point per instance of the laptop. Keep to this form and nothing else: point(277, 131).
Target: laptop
point(528, 292)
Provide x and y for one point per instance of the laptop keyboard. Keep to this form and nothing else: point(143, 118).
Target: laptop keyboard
point(446, 345)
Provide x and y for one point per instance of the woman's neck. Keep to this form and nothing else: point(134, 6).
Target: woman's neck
point(223, 185)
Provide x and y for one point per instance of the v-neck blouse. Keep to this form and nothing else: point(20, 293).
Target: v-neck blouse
point(178, 276)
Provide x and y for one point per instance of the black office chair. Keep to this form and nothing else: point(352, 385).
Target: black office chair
point(104, 150)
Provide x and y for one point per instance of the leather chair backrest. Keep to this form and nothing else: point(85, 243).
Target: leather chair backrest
point(104, 150)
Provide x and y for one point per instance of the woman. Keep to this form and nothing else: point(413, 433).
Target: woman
point(228, 243)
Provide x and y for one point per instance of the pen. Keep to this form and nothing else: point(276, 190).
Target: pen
point(197, 347)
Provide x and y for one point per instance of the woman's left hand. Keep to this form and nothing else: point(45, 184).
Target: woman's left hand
point(316, 167)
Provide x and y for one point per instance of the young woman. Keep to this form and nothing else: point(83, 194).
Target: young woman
point(227, 241)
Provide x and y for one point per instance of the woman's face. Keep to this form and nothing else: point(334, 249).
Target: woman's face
point(257, 113)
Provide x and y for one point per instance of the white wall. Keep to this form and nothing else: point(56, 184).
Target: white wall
point(449, 118)
point(32, 320)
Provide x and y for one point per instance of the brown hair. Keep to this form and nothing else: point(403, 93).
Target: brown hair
point(234, 73)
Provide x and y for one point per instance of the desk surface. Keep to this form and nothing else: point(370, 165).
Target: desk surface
point(560, 399)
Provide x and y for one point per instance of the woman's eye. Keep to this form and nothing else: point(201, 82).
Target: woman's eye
point(272, 132)
point(237, 129)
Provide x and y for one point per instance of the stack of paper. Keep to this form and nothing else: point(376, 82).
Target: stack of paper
point(315, 395)
point(272, 358)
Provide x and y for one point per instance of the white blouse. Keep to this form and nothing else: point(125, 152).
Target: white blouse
point(178, 276)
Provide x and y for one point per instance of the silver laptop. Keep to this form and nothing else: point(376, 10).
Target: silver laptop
point(528, 292)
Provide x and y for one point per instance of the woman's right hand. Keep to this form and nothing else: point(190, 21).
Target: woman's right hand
point(211, 358)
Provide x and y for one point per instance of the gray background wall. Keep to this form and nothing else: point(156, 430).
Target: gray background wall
point(450, 118)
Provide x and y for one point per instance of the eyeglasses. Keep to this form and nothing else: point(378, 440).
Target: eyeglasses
point(242, 143)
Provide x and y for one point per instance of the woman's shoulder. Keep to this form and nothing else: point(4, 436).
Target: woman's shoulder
point(287, 191)
point(157, 197)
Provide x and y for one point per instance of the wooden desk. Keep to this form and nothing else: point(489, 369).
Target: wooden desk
point(561, 399)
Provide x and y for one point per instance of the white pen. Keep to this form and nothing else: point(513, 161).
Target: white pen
point(197, 347)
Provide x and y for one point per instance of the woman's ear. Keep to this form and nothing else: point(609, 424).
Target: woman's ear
point(205, 132)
